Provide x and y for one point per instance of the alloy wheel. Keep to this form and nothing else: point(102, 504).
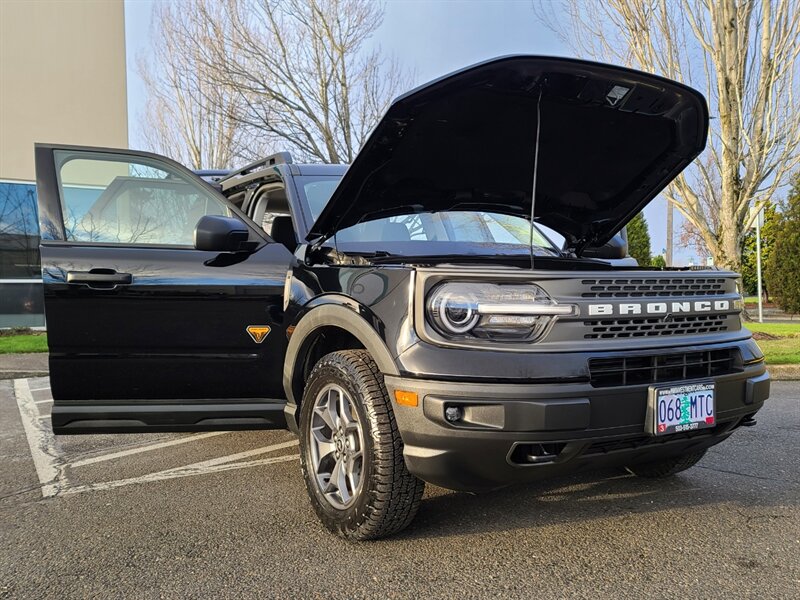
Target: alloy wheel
point(337, 447)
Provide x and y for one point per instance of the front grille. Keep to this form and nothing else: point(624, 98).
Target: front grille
point(641, 288)
point(654, 326)
point(641, 370)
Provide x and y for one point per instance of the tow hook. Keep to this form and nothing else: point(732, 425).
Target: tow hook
point(538, 454)
point(748, 421)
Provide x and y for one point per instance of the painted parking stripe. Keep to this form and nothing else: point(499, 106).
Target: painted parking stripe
point(201, 468)
point(148, 448)
point(247, 454)
point(41, 442)
point(50, 466)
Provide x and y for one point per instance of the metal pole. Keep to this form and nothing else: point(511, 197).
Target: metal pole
point(758, 266)
point(668, 253)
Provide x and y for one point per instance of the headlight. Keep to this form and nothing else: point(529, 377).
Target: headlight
point(493, 312)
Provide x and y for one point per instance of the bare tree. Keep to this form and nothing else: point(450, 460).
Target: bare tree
point(302, 70)
point(743, 54)
point(187, 116)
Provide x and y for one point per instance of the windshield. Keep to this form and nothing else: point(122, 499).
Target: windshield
point(446, 232)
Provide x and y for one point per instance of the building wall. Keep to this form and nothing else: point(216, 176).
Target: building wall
point(63, 80)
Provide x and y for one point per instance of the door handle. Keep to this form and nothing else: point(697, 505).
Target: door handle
point(99, 278)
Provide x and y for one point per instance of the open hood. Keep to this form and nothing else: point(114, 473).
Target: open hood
point(610, 140)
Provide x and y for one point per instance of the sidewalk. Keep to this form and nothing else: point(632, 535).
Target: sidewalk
point(772, 314)
point(18, 366)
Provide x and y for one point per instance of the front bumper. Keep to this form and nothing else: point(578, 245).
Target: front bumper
point(513, 432)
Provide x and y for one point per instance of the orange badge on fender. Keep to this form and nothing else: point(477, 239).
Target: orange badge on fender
point(258, 332)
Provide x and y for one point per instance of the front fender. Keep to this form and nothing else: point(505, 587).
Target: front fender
point(335, 311)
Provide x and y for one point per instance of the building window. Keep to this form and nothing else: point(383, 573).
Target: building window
point(19, 231)
point(21, 302)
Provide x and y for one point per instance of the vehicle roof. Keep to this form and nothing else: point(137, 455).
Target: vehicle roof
point(317, 169)
point(212, 176)
point(271, 167)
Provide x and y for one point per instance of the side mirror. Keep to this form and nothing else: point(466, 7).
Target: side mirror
point(215, 233)
point(615, 248)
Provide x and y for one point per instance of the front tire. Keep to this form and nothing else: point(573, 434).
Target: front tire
point(667, 467)
point(351, 451)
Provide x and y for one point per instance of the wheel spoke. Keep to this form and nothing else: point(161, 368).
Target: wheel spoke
point(325, 448)
point(344, 412)
point(353, 472)
point(336, 484)
point(323, 410)
point(341, 483)
point(333, 407)
point(331, 487)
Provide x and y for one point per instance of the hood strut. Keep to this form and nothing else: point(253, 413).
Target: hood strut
point(535, 169)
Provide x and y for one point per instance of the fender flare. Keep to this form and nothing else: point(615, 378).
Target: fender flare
point(344, 316)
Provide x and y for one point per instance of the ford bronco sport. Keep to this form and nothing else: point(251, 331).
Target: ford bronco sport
point(409, 317)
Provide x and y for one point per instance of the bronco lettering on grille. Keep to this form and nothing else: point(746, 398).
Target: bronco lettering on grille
point(658, 308)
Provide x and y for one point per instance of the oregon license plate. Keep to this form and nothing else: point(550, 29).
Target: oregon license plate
point(682, 407)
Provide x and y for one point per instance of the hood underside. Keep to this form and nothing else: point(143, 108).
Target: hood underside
point(610, 139)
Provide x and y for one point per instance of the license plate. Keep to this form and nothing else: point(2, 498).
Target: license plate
point(682, 407)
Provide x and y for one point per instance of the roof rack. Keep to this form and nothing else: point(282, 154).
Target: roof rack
point(253, 172)
point(268, 161)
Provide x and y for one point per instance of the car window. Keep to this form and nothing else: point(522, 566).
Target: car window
point(317, 191)
point(114, 199)
point(452, 226)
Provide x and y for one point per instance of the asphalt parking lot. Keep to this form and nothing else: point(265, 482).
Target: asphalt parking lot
point(226, 515)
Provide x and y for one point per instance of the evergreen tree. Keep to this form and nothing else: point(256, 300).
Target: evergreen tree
point(658, 261)
point(639, 240)
point(784, 264)
point(749, 257)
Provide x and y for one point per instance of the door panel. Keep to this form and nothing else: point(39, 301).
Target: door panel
point(177, 331)
point(138, 320)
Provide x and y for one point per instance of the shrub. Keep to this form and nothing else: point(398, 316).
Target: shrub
point(783, 268)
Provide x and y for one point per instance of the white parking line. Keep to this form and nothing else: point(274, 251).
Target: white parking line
point(41, 442)
point(50, 464)
point(140, 449)
point(247, 454)
point(224, 463)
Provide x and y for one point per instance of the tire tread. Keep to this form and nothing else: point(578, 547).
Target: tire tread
point(396, 493)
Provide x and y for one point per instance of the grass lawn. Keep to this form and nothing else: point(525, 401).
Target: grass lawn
point(25, 343)
point(784, 349)
point(777, 329)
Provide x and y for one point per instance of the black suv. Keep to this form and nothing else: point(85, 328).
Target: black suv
point(408, 317)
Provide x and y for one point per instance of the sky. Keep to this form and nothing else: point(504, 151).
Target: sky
point(431, 38)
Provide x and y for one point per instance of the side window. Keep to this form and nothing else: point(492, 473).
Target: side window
point(123, 200)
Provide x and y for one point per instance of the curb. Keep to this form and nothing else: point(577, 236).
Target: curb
point(22, 374)
point(784, 372)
